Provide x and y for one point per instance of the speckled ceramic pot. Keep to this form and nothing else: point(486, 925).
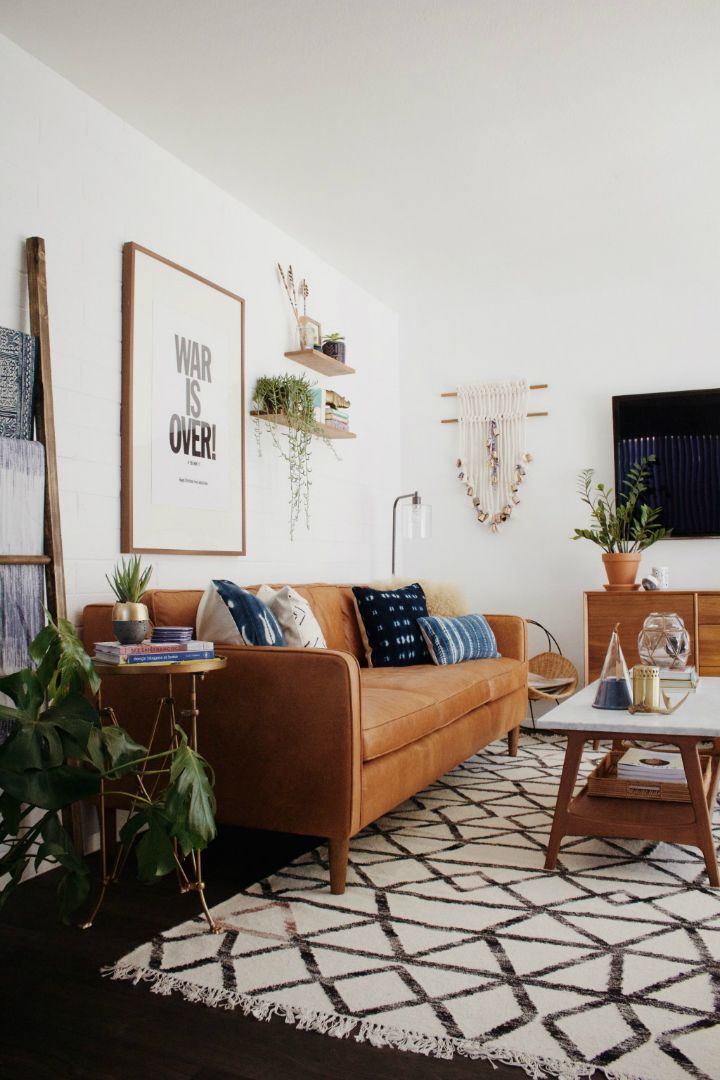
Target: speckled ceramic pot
point(130, 623)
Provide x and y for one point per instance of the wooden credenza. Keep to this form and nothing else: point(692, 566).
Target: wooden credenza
point(700, 611)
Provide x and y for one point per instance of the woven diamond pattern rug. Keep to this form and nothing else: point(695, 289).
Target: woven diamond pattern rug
point(452, 939)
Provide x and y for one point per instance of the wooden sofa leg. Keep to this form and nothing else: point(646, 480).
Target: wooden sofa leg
point(513, 739)
point(339, 847)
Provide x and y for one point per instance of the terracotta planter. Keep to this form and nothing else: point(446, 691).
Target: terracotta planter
point(621, 568)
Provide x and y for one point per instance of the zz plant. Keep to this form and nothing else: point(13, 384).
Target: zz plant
point(626, 523)
point(58, 752)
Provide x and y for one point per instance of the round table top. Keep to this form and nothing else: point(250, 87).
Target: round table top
point(162, 667)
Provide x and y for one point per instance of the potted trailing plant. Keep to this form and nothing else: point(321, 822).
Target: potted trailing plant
point(334, 345)
point(130, 618)
point(58, 752)
point(290, 396)
point(623, 527)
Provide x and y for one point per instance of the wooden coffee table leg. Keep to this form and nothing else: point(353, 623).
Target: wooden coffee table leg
point(703, 825)
point(573, 755)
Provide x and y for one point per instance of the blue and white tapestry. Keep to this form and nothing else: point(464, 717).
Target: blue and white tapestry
point(450, 641)
point(233, 616)
point(22, 499)
point(17, 383)
point(390, 619)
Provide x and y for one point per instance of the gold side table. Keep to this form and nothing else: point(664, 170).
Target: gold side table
point(195, 670)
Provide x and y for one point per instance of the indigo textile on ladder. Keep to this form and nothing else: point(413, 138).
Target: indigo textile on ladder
point(17, 383)
point(22, 498)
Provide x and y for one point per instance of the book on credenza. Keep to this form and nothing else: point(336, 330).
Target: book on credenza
point(639, 763)
point(676, 679)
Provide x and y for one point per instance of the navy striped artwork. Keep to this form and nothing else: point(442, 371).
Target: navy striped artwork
point(390, 618)
point(450, 641)
point(684, 479)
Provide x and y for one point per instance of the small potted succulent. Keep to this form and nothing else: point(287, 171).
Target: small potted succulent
point(130, 619)
point(334, 345)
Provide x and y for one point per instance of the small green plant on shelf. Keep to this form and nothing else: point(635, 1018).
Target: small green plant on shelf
point(129, 581)
point(58, 752)
point(290, 396)
point(334, 345)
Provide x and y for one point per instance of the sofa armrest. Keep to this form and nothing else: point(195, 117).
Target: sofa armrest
point(281, 729)
point(511, 635)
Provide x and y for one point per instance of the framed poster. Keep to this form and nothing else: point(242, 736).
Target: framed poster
point(183, 411)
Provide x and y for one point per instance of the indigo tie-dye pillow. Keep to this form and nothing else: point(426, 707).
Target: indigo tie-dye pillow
point(230, 615)
point(450, 641)
point(390, 621)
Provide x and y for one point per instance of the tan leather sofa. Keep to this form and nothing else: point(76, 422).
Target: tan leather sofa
point(312, 741)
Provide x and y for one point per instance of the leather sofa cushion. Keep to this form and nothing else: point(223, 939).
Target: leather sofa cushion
point(400, 705)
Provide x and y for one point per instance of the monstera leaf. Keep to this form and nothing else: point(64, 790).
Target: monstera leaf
point(154, 851)
point(63, 665)
point(57, 844)
point(190, 802)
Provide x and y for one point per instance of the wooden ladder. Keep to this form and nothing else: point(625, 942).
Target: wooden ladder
point(44, 418)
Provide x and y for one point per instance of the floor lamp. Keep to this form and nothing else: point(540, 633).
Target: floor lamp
point(417, 522)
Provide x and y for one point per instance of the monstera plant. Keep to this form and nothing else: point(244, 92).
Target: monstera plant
point(58, 752)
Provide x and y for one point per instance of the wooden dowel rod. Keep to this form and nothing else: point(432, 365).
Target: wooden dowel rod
point(535, 386)
point(24, 560)
point(456, 421)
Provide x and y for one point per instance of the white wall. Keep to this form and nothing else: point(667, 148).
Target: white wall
point(657, 330)
point(85, 181)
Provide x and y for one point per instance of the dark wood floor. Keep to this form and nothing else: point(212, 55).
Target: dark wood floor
point(61, 1019)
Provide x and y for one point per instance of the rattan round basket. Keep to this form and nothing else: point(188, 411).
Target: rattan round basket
point(549, 666)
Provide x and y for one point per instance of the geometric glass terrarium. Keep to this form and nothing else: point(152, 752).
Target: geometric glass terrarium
point(614, 690)
point(663, 641)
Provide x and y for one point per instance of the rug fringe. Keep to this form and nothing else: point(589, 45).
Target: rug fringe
point(342, 1027)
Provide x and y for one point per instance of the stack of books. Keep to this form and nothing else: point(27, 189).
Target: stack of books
point(684, 680)
point(658, 765)
point(337, 418)
point(331, 408)
point(149, 652)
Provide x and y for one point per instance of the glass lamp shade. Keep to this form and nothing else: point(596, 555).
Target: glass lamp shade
point(416, 521)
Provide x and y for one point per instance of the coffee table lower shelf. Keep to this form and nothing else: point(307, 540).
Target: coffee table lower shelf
point(640, 819)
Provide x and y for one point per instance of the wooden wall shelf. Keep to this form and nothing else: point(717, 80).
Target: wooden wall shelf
point(327, 431)
point(318, 361)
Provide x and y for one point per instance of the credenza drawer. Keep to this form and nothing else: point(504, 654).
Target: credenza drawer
point(708, 608)
point(708, 646)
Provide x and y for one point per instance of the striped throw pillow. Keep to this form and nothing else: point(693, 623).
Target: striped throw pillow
point(450, 641)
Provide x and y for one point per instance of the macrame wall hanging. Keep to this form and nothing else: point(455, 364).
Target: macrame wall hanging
point(492, 454)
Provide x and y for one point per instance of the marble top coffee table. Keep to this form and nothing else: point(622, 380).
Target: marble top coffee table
point(696, 721)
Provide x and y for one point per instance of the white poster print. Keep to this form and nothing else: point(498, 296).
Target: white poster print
point(190, 391)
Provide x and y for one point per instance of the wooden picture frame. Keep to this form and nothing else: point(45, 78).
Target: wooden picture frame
point(183, 411)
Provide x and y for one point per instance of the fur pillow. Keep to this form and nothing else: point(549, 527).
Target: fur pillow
point(442, 597)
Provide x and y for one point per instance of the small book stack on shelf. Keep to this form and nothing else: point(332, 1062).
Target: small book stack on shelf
point(684, 680)
point(331, 408)
point(154, 652)
point(659, 765)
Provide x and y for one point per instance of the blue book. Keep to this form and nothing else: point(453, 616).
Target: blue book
point(170, 657)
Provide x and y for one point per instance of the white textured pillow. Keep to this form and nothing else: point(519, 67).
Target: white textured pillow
point(297, 622)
